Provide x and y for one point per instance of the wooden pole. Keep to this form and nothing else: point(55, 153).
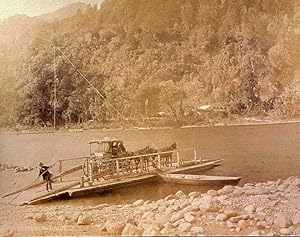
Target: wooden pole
point(54, 91)
point(178, 159)
point(117, 167)
point(195, 154)
point(91, 172)
point(60, 169)
point(158, 161)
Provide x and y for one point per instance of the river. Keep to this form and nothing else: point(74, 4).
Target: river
point(254, 152)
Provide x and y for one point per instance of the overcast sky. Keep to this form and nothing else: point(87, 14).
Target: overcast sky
point(34, 7)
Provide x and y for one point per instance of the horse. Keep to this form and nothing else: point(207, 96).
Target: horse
point(136, 161)
point(166, 158)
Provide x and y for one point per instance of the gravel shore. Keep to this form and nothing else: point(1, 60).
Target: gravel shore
point(270, 208)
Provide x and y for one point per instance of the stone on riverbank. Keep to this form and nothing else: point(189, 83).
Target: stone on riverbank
point(132, 230)
point(296, 219)
point(114, 228)
point(197, 230)
point(8, 233)
point(138, 203)
point(285, 231)
point(212, 193)
point(221, 217)
point(177, 216)
point(189, 217)
point(84, 220)
point(282, 221)
point(151, 232)
point(250, 209)
point(180, 194)
point(184, 227)
point(193, 195)
point(211, 206)
point(226, 190)
point(41, 218)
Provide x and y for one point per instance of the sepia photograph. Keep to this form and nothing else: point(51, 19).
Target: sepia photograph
point(149, 118)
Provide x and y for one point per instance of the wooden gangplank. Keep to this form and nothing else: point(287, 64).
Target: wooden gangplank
point(37, 192)
point(40, 183)
point(97, 187)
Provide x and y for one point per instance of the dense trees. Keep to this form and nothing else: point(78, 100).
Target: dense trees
point(146, 57)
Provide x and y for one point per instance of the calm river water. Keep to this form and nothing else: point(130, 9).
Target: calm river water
point(256, 153)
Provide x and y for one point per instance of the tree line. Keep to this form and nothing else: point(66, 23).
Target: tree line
point(238, 55)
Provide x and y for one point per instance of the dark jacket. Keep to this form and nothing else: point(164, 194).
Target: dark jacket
point(44, 170)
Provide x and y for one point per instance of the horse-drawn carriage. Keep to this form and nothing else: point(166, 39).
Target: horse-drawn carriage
point(109, 157)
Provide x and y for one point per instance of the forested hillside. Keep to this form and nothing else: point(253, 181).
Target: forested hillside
point(151, 56)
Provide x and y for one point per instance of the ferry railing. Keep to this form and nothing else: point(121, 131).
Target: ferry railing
point(68, 164)
point(141, 163)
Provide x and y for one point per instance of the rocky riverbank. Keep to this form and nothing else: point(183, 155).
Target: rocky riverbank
point(15, 168)
point(270, 208)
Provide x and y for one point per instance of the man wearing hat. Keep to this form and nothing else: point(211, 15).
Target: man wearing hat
point(46, 175)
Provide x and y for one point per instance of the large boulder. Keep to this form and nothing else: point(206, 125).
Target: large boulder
point(151, 232)
point(296, 219)
point(221, 217)
point(160, 219)
point(257, 191)
point(132, 230)
point(282, 187)
point(169, 197)
point(177, 216)
point(197, 230)
point(180, 194)
point(285, 231)
point(238, 191)
point(229, 224)
point(177, 223)
point(84, 220)
point(170, 210)
point(184, 204)
point(184, 227)
point(242, 224)
point(212, 205)
point(114, 228)
point(146, 215)
point(282, 221)
point(255, 233)
point(231, 212)
point(8, 233)
point(41, 217)
point(212, 193)
point(226, 190)
point(250, 209)
point(189, 217)
point(193, 195)
point(138, 203)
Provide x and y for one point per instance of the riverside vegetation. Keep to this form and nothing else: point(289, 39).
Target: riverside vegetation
point(269, 209)
point(154, 56)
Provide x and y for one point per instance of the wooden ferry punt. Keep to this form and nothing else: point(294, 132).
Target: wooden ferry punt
point(203, 180)
point(77, 176)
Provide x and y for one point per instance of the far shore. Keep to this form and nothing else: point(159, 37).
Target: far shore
point(244, 122)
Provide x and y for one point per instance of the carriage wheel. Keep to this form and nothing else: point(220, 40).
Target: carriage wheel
point(108, 169)
point(85, 167)
point(126, 168)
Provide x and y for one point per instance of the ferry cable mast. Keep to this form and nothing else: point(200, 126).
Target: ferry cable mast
point(54, 92)
point(84, 77)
